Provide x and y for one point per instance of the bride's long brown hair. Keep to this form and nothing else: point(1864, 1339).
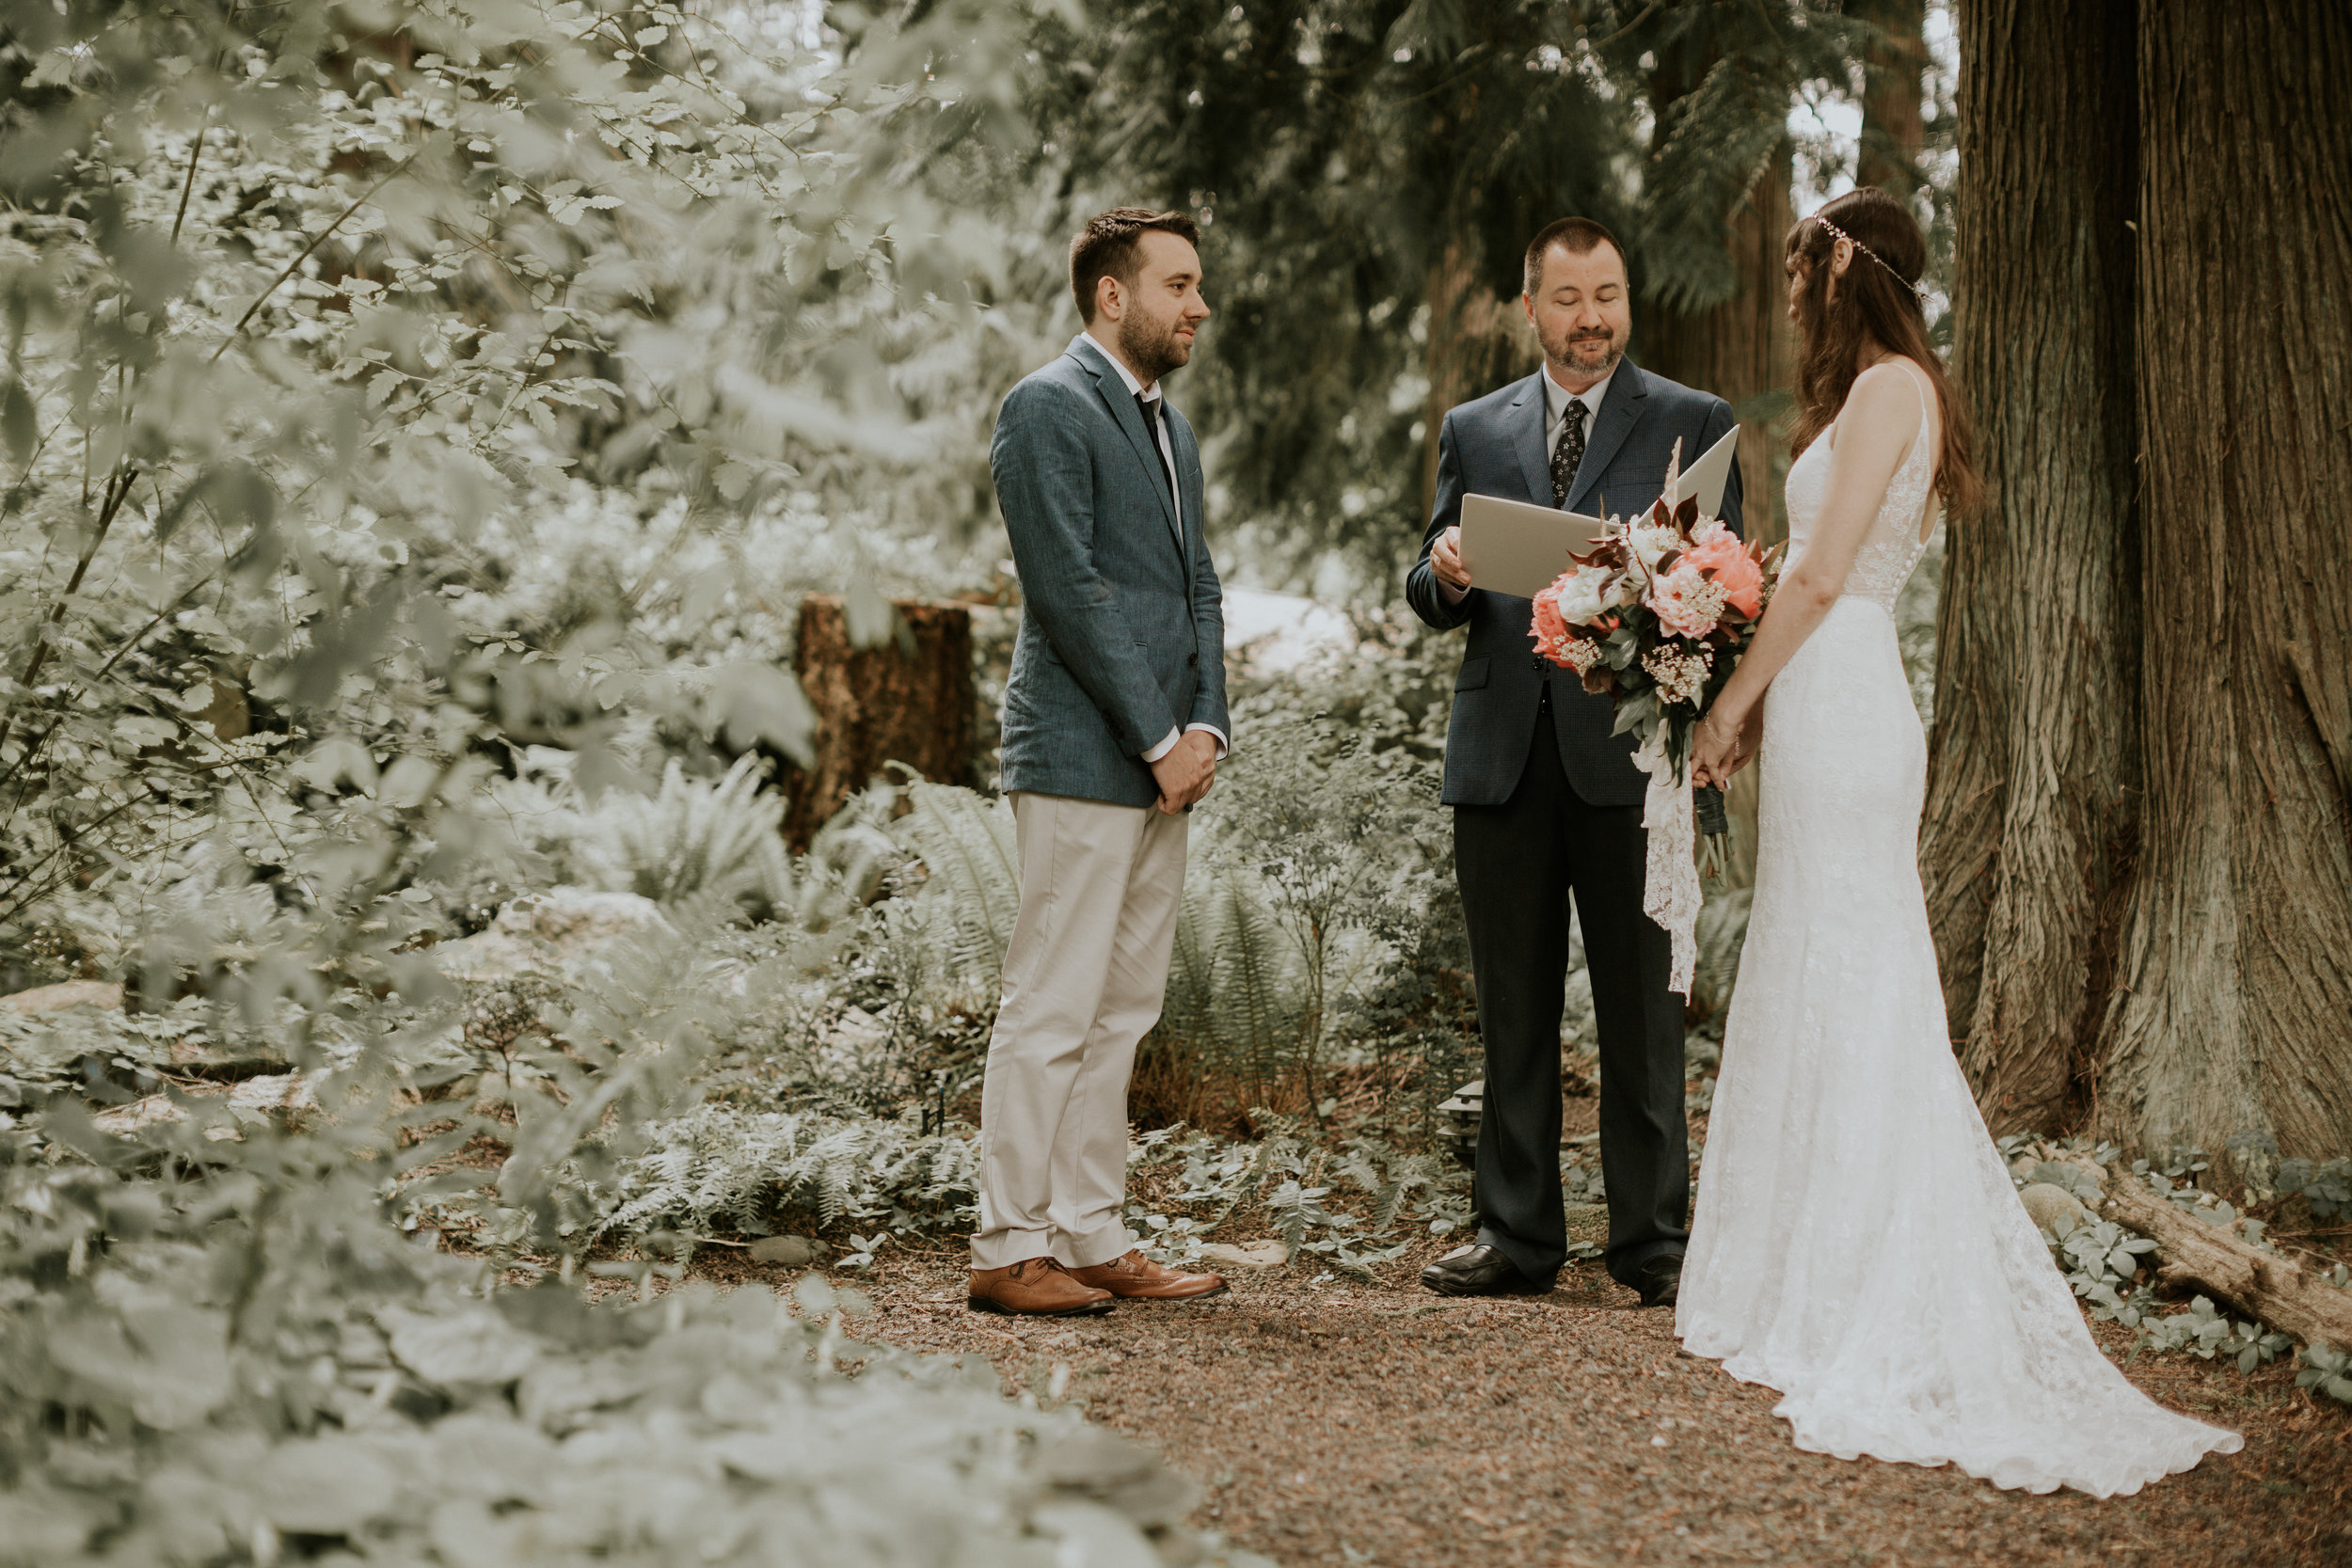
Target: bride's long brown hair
point(1876, 303)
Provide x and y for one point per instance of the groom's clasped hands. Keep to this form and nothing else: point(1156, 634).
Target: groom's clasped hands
point(1186, 772)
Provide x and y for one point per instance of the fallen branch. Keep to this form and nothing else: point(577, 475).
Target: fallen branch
point(2276, 1289)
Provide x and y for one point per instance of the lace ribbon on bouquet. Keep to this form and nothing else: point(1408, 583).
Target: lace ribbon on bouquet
point(1670, 882)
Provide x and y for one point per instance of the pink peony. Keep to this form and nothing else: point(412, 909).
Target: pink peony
point(1685, 602)
point(1551, 632)
point(1716, 551)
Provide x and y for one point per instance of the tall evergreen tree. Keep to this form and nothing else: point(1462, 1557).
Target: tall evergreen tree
point(2136, 841)
point(2235, 969)
point(1371, 171)
point(2032, 816)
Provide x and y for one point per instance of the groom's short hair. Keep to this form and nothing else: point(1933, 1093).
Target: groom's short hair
point(1108, 246)
point(1577, 236)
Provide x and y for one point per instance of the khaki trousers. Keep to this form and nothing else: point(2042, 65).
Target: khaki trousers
point(1085, 977)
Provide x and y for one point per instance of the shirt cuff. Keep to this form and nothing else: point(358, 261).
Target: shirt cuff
point(1224, 747)
point(1451, 595)
point(1168, 744)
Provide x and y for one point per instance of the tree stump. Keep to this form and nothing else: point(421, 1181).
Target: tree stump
point(907, 701)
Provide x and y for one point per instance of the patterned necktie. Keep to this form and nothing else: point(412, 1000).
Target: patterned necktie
point(1568, 452)
point(1149, 409)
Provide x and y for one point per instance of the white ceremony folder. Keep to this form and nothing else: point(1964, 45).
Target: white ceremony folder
point(1517, 547)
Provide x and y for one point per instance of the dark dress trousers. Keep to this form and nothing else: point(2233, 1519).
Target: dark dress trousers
point(1548, 806)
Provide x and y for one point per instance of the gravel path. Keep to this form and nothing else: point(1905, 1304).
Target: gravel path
point(1332, 1422)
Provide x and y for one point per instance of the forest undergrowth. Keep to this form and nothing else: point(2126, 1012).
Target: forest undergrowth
point(419, 426)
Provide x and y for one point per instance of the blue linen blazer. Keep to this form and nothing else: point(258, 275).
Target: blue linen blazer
point(1495, 447)
point(1122, 628)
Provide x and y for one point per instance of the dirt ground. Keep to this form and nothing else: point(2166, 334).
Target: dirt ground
point(1333, 1423)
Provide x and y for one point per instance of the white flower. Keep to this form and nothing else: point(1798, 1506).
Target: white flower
point(1579, 597)
point(1680, 677)
point(1651, 542)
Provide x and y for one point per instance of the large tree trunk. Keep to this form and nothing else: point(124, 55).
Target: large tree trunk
point(1741, 350)
point(1477, 342)
point(2033, 767)
point(1893, 129)
point(909, 701)
point(2236, 962)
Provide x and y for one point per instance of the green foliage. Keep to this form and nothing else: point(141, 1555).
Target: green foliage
point(2325, 1186)
point(2111, 1268)
point(2327, 1370)
point(688, 837)
point(972, 865)
point(725, 1162)
point(319, 324)
point(249, 1362)
point(1307, 1187)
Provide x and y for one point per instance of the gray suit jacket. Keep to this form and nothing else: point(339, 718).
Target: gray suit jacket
point(1123, 630)
point(1495, 447)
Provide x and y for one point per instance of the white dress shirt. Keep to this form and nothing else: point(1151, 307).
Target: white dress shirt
point(1151, 396)
point(1558, 399)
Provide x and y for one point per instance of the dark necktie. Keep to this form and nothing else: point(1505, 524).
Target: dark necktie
point(1568, 452)
point(1149, 409)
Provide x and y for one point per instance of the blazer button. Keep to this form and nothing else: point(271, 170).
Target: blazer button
point(1535, 662)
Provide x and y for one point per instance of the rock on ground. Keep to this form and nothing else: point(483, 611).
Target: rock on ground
point(68, 993)
point(555, 930)
point(2049, 1206)
point(1249, 1255)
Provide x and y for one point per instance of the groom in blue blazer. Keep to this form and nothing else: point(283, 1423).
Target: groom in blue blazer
point(1115, 720)
point(1547, 804)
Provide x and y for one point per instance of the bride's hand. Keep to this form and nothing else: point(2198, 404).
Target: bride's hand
point(1718, 749)
point(1751, 739)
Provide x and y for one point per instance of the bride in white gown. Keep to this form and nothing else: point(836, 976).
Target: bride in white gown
point(1856, 1244)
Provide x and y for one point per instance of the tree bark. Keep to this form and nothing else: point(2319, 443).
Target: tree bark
point(1741, 350)
point(1477, 342)
point(1892, 129)
point(2236, 958)
point(909, 701)
point(2030, 820)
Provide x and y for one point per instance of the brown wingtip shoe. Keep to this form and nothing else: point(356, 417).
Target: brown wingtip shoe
point(1134, 1276)
point(1035, 1286)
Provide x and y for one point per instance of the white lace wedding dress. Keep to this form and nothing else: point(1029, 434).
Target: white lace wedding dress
point(1856, 1243)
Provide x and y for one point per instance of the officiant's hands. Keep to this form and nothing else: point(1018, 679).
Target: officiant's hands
point(1186, 772)
point(1445, 559)
point(1724, 744)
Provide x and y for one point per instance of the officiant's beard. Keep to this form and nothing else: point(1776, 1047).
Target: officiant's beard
point(1152, 349)
point(1585, 355)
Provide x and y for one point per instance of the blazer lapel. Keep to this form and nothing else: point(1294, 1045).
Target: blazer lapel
point(1182, 444)
point(1112, 388)
point(1620, 410)
point(1527, 417)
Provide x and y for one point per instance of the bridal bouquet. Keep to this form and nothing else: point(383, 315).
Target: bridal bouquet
point(1655, 615)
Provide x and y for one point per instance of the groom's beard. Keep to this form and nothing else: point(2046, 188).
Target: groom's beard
point(1586, 353)
point(1152, 349)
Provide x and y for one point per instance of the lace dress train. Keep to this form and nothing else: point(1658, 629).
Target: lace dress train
point(1856, 1243)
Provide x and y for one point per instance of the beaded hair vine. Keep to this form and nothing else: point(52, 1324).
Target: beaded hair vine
point(1839, 233)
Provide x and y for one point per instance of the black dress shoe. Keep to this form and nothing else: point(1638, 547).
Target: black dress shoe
point(1660, 1279)
point(1479, 1269)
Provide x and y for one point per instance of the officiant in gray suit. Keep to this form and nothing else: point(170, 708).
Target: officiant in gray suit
point(1546, 801)
point(1114, 724)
